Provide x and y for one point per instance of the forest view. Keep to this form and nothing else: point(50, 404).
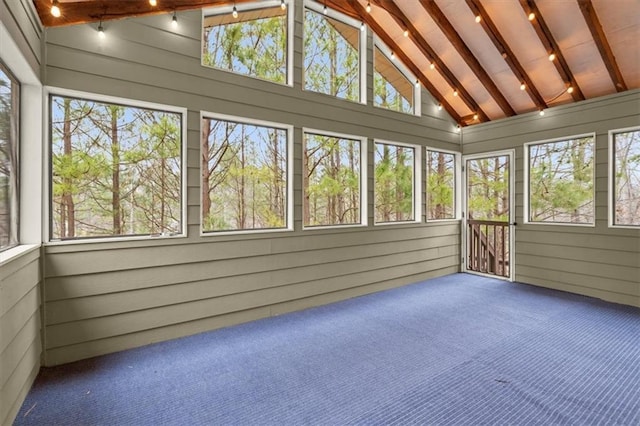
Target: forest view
point(441, 185)
point(331, 173)
point(331, 57)
point(9, 108)
point(115, 170)
point(488, 188)
point(627, 178)
point(394, 183)
point(244, 176)
point(253, 44)
point(561, 181)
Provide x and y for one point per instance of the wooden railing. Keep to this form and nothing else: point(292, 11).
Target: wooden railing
point(488, 247)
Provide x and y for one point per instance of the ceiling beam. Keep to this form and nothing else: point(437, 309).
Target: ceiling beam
point(591, 18)
point(454, 38)
point(394, 11)
point(506, 52)
point(356, 11)
point(82, 12)
point(549, 43)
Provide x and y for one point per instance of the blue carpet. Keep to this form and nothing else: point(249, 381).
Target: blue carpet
point(460, 349)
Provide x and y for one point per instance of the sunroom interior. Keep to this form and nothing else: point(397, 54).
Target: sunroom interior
point(174, 167)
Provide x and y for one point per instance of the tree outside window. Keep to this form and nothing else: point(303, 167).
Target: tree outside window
point(9, 126)
point(253, 44)
point(561, 181)
point(331, 56)
point(441, 185)
point(626, 178)
point(332, 180)
point(394, 183)
point(116, 170)
point(391, 89)
point(244, 176)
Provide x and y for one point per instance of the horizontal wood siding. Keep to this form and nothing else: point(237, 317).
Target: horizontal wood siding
point(598, 261)
point(20, 342)
point(105, 297)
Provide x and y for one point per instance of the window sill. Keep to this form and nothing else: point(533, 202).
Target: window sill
point(17, 252)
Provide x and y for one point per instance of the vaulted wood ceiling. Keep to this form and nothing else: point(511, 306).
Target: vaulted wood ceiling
point(481, 59)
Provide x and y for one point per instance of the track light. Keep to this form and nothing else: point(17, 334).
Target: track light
point(523, 86)
point(174, 20)
point(283, 5)
point(234, 13)
point(153, 3)
point(478, 19)
point(368, 7)
point(552, 56)
point(55, 9)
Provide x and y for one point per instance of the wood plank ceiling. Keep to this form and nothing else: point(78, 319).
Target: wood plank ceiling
point(480, 59)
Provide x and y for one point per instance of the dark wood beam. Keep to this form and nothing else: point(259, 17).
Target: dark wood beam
point(355, 10)
point(81, 12)
point(454, 38)
point(549, 43)
point(506, 52)
point(599, 37)
point(394, 11)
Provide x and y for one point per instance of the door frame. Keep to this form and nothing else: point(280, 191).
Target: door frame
point(511, 153)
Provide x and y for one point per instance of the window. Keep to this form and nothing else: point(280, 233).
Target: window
point(245, 175)
point(333, 179)
point(560, 180)
point(116, 169)
point(624, 149)
point(333, 54)
point(9, 128)
point(441, 185)
point(393, 88)
point(395, 182)
point(256, 43)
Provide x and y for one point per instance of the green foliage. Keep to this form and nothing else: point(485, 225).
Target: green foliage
point(488, 188)
point(440, 185)
point(391, 89)
point(393, 190)
point(626, 149)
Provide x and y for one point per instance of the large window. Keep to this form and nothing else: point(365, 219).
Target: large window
point(332, 179)
point(9, 127)
point(624, 149)
point(392, 88)
point(441, 185)
point(395, 183)
point(250, 39)
point(561, 180)
point(116, 169)
point(332, 54)
point(245, 178)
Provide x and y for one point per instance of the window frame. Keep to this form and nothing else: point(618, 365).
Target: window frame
point(290, 175)
point(417, 182)
point(611, 210)
point(50, 92)
point(402, 68)
point(257, 5)
point(363, 178)
point(457, 185)
point(14, 148)
point(527, 183)
point(362, 47)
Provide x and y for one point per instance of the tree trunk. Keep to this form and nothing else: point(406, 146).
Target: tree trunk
point(115, 173)
point(67, 210)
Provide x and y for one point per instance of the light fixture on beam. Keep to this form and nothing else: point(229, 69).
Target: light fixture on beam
point(153, 3)
point(475, 117)
point(552, 56)
point(406, 33)
point(570, 89)
point(432, 65)
point(55, 9)
point(523, 86)
point(455, 92)
point(478, 19)
point(368, 7)
point(531, 16)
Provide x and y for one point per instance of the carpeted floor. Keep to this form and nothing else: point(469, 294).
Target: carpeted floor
point(460, 349)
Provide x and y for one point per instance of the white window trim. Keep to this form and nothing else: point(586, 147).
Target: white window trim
point(611, 181)
point(457, 185)
point(363, 178)
point(29, 153)
point(46, 194)
point(417, 183)
point(264, 4)
point(400, 66)
point(527, 212)
point(243, 120)
point(319, 8)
